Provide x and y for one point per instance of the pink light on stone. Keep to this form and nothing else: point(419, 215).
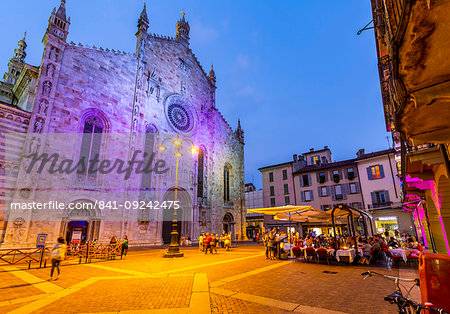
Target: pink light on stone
point(445, 234)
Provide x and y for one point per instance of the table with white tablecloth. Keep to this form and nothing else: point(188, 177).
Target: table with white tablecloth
point(351, 253)
point(401, 252)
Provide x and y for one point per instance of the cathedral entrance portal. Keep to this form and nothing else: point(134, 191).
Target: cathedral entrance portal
point(81, 223)
point(77, 232)
point(183, 214)
point(228, 224)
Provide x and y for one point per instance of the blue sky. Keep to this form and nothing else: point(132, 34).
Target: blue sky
point(293, 71)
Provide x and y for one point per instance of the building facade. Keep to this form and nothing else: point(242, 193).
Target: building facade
point(115, 105)
point(319, 182)
point(254, 199)
point(414, 75)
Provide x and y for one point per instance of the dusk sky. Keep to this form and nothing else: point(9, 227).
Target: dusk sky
point(294, 72)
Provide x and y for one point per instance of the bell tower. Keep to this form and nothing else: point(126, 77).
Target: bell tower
point(183, 29)
point(16, 63)
point(58, 24)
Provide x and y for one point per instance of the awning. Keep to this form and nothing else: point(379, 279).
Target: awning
point(281, 209)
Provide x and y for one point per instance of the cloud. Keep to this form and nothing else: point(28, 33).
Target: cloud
point(242, 61)
point(203, 33)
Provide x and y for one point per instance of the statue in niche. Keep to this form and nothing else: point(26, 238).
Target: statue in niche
point(54, 53)
point(35, 144)
point(38, 125)
point(47, 88)
point(43, 105)
point(50, 70)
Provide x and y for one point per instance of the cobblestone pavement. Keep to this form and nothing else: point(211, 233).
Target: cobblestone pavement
point(239, 281)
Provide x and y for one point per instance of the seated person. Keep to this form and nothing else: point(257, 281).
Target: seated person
point(393, 243)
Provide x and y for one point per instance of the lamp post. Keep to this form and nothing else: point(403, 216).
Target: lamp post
point(174, 248)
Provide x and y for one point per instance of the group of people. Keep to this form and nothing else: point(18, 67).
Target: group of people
point(185, 240)
point(372, 247)
point(208, 242)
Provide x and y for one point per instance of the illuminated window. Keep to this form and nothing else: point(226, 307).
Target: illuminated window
point(315, 160)
point(375, 172)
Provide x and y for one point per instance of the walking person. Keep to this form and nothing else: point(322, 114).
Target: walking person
point(200, 242)
point(57, 254)
point(124, 246)
point(228, 241)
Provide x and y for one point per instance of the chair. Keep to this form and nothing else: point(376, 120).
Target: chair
point(310, 254)
point(297, 251)
point(394, 259)
point(322, 254)
point(413, 258)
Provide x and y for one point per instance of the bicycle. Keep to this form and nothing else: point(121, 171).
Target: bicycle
point(404, 304)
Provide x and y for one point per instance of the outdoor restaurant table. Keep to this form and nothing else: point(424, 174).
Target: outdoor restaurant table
point(404, 253)
point(351, 253)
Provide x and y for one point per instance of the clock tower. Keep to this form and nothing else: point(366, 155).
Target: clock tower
point(58, 24)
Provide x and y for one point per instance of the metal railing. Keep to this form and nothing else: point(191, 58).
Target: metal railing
point(23, 255)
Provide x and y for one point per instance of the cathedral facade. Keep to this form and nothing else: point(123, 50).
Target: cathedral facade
point(86, 102)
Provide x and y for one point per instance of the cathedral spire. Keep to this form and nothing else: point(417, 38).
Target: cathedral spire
point(239, 132)
point(183, 30)
point(212, 76)
point(62, 10)
point(16, 63)
point(143, 20)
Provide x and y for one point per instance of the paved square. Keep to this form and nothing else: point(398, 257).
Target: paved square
point(239, 281)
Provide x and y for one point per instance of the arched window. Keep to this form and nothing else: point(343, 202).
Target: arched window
point(200, 172)
point(226, 183)
point(150, 132)
point(90, 145)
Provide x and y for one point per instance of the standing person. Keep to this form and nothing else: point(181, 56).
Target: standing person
point(213, 243)
point(258, 237)
point(228, 241)
point(57, 254)
point(266, 243)
point(272, 244)
point(222, 240)
point(124, 246)
point(200, 242)
point(189, 240)
point(207, 242)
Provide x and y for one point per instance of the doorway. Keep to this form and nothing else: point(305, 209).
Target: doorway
point(77, 232)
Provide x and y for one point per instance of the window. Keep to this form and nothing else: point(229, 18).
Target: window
point(353, 188)
point(272, 191)
point(336, 176)
point(350, 173)
point(270, 176)
point(380, 197)
point(226, 184)
point(148, 149)
point(90, 146)
point(285, 175)
point(325, 207)
point(305, 180)
point(323, 191)
point(308, 196)
point(286, 189)
point(272, 202)
point(287, 201)
point(315, 160)
point(355, 205)
point(338, 192)
point(375, 172)
point(322, 177)
point(200, 170)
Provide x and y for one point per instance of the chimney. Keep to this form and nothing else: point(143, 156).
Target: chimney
point(360, 153)
point(311, 149)
point(325, 147)
point(295, 157)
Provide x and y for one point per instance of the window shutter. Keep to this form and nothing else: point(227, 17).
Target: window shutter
point(369, 173)
point(355, 172)
point(319, 192)
point(312, 160)
point(309, 180)
point(302, 196)
point(386, 196)
point(344, 191)
point(301, 180)
point(318, 177)
point(346, 173)
point(328, 190)
point(312, 195)
point(374, 197)
point(333, 194)
point(381, 171)
point(358, 189)
point(360, 205)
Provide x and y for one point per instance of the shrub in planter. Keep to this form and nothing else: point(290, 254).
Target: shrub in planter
point(336, 178)
point(322, 179)
point(351, 175)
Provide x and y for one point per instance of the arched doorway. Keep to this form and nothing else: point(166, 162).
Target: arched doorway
point(81, 223)
point(183, 214)
point(228, 224)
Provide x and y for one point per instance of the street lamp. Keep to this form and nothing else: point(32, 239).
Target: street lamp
point(174, 248)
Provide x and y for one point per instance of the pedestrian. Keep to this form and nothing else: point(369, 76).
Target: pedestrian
point(207, 242)
point(258, 237)
point(200, 242)
point(57, 254)
point(189, 241)
point(228, 241)
point(266, 243)
point(213, 243)
point(222, 240)
point(124, 246)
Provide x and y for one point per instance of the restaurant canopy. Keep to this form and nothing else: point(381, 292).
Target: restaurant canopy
point(288, 210)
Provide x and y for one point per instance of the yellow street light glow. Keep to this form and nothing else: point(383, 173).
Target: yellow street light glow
point(193, 149)
point(162, 148)
point(177, 142)
point(178, 154)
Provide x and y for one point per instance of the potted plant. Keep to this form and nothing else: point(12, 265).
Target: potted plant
point(336, 178)
point(322, 179)
point(351, 175)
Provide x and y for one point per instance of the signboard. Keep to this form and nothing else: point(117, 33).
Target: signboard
point(40, 243)
point(76, 236)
